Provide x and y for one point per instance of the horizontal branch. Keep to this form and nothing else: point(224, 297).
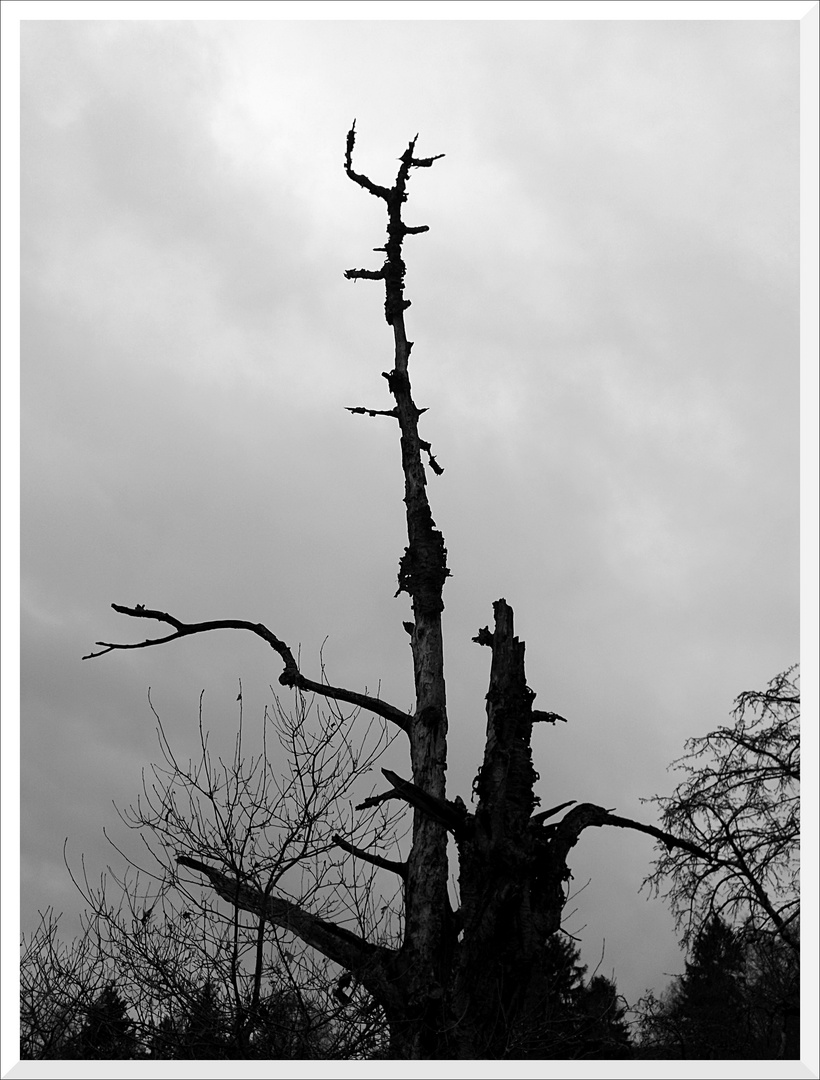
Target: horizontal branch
point(291, 676)
point(372, 275)
point(587, 814)
point(423, 163)
point(668, 839)
point(361, 410)
point(368, 962)
point(182, 629)
point(539, 716)
point(395, 867)
point(377, 800)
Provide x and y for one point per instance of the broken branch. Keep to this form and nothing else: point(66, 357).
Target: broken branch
point(361, 411)
point(399, 868)
point(453, 817)
point(369, 962)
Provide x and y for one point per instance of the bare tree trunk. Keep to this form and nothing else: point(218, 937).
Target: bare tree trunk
point(510, 901)
point(469, 983)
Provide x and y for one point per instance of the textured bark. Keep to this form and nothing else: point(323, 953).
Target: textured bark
point(511, 895)
point(422, 573)
point(470, 983)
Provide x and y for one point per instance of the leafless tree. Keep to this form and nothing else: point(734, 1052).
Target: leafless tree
point(58, 983)
point(167, 945)
point(740, 804)
point(460, 983)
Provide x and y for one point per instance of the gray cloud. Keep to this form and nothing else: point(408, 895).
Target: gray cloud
point(605, 313)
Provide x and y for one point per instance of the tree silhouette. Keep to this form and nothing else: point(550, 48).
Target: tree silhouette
point(107, 1029)
point(121, 993)
point(464, 981)
point(740, 802)
point(737, 999)
point(580, 1020)
point(710, 1002)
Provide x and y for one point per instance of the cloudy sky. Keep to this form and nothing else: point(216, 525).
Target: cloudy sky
point(605, 313)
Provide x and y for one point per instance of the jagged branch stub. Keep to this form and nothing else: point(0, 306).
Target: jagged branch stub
point(393, 270)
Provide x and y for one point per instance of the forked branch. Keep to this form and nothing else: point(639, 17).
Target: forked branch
point(291, 675)
point(393, 270)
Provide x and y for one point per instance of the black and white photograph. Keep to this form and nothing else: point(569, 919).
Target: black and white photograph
point(410, 509)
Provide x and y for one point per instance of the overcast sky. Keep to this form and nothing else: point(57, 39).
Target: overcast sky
point(605, 313)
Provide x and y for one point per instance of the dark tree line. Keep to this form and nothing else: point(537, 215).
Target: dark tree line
point(119, 997)
point(84, 1002)
point(738, 910)
point(739, 998)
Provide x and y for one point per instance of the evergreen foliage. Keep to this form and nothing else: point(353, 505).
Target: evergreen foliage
point(737, 999)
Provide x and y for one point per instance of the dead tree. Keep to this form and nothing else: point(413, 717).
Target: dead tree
point(466, 983)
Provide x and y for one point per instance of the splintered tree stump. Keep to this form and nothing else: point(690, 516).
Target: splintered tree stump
point(471, 982)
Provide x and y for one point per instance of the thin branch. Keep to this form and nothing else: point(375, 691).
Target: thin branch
point(187, 629)
point(361, 410)
point(289, 677)
point(666, 838)
point(364, 701)
point(377, 800)
point(395, 867)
